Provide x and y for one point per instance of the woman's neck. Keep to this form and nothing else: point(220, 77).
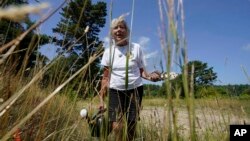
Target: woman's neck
point(123, 43)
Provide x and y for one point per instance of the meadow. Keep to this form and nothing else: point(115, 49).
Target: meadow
point(34, 108)
point(59, 119)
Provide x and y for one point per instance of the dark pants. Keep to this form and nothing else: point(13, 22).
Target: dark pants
point(124, 105)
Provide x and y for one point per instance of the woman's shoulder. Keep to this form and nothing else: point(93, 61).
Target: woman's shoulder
point(136, 46)
point(107, 48)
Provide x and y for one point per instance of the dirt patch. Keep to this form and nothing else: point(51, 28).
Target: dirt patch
point(205, 119)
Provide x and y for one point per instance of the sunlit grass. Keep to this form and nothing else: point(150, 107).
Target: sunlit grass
point(52, 113)
point(213, 117)
point(59, 118)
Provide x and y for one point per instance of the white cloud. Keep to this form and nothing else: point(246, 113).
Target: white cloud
point(106, 41)
point(150, 58)
point(246, 47)
point(151, 55)
point(148, 55)
point(144, 41)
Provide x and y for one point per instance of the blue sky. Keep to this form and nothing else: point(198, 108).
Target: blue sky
point(217, 33)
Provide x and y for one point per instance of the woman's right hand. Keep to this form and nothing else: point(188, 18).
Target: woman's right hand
point(104, 85)
point(101, 104)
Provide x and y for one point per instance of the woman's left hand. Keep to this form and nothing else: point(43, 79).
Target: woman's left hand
point(155, 76)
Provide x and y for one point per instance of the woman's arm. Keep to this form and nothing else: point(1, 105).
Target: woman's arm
point(144, 74)
point(155, 76)
point(104, 85)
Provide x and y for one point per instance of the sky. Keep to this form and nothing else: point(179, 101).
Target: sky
point(217, 33)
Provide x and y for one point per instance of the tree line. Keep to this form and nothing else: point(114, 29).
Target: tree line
point(234, 91)
point(203, 85)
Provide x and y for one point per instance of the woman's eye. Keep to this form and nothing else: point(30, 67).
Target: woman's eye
point(122, 27)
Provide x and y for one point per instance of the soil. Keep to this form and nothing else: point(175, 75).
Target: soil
point(205, 119)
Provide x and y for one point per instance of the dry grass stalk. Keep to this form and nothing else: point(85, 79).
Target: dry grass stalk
point(246, 74)
point(91, 59)
point(7, 104)
point(18, 13)
point(13, 44)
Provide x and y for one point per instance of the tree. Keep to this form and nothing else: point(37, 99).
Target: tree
point(202, 74)
point(203, 77)
point(151, 90)
point(5, 3)
point(246, 93)
point(176, 86)
point(25, 54)
point(76, 17)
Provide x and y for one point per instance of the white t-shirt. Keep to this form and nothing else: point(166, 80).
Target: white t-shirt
point(116, 55)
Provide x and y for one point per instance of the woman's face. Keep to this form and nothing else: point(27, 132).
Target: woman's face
point(120, 33)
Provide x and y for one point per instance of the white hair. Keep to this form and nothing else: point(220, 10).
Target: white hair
point(120, 19)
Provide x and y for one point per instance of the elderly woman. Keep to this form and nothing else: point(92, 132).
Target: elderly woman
point(123, 72)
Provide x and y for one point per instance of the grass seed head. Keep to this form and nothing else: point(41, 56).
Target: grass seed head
point(18, 13)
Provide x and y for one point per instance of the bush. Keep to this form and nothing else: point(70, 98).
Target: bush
point(206, 92)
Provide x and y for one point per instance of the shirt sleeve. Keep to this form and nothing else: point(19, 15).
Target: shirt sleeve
point(105, 58)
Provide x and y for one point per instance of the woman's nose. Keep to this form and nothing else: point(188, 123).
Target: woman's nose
point(119, 28)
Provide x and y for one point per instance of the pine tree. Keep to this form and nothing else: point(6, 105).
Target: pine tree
point(26, 52)
point(203, 75)
point(76, 17)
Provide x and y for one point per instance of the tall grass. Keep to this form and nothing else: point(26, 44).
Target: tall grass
point(52, 113)
point(30, 109)
point(173, 42)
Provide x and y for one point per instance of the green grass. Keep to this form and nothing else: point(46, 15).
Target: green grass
point(60, 119)
point(161, 118)
point(213, 117)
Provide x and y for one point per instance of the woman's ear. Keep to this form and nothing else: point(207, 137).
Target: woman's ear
point(112, 33)
point(128, 31)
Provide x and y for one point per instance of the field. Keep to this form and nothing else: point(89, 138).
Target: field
point(212, 117)
point(41, 99)
point(60, 118)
